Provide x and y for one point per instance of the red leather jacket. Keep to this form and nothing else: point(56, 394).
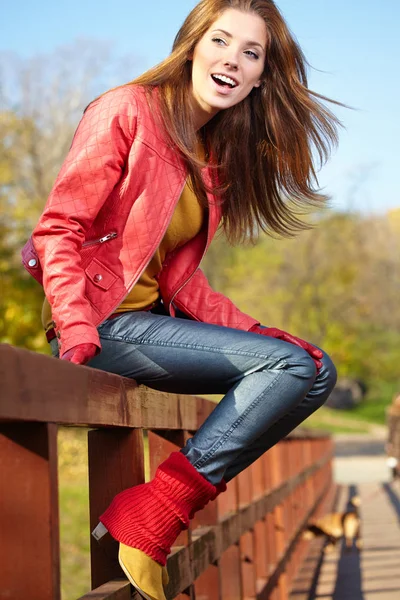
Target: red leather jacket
point(105, 217)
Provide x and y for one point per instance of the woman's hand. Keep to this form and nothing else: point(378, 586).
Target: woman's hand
point(292, 339)
point(80, 354)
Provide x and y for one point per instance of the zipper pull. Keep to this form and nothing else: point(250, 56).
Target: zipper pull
point(106, 238)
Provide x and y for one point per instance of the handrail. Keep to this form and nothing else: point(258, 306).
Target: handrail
point(248, 539)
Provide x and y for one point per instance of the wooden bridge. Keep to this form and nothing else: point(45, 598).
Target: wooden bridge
point(247, 545)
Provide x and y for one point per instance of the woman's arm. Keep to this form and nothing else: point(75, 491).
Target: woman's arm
point(92, 168)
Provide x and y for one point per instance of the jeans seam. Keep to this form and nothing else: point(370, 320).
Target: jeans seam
point(231, 351)
point(227, 434)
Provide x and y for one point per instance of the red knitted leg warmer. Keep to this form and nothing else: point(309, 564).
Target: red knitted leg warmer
point(150, 516)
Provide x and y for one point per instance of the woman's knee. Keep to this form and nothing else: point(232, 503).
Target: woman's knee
point(323, 385)
point(301, 364)
point(328, 373)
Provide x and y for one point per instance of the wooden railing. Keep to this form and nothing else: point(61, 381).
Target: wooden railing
point(245, 545)
point(393, 443)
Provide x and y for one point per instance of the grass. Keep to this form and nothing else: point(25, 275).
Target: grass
point(371, 411)
point(74, 512)
point(330, 420)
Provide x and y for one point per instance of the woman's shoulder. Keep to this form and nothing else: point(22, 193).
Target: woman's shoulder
point(130, 101)
point(122, 96)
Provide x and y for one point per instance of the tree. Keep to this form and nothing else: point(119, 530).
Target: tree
point(42, 100)
point(336, 285)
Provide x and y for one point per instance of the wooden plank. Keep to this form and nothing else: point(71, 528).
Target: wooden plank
point(248, 573)
point(112, 590)
point(230, 573)
point(204, 409)
point(278, 473)
point(209, 544)
point(116, 462)
point(304, 585)
point(205, 549)
point(260, 550)
point(68, 394)
point(207, 586)
point(77, 395)
point(285, 557)
point(29, 527)
point(179, 571)
point(233, 525)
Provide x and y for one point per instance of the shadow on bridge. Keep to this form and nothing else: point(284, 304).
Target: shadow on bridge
point(347, 574)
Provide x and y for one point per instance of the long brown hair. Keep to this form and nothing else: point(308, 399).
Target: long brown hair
point(265, 164)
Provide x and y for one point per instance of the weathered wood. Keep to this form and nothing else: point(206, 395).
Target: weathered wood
point(112, 590)
point(29, 529)
point(290, 546)
point(68, 394)
point(245, 545)
point(209, 544)
point(304, 585)
point(231, 580)
point(207, 586)
point(116, 462)
point(179, 571)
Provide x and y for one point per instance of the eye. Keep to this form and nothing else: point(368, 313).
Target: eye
point(252, 54)
point(218, 41)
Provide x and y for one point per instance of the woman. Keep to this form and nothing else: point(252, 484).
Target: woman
point(221, 132)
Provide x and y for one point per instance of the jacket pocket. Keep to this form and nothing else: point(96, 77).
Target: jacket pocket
point(100, 275)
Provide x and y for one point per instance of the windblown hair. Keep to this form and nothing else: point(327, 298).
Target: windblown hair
point(262, 148)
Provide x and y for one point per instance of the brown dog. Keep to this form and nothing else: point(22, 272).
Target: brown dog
point(338, 525)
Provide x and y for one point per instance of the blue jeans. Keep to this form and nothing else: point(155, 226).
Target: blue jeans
point(270, 386)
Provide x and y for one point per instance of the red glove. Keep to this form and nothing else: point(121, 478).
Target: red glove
point(292, 339)
point(80, 354)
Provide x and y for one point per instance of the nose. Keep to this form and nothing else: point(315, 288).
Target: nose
point(231, 64)
point(232, 58)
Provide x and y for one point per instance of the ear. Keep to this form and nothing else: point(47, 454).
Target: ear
point(259, 83)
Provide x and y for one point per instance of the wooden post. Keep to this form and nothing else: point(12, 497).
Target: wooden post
point(161, 444)
point(115, 463)
point(278, 474)
point(29, 528)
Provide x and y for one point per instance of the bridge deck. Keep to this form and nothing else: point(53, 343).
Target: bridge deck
point(373, 574)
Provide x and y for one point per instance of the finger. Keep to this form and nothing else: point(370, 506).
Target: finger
point(294, 340)
point(312, 350)
point(76, 359)
point(316, 352)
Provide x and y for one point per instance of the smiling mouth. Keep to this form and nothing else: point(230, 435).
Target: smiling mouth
point(224, 81)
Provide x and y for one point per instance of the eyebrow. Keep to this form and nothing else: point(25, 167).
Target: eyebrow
point(249, 42)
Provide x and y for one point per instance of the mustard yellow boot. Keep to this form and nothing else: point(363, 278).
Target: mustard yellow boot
point(144, 573)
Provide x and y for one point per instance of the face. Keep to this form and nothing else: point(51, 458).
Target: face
point(228, 62)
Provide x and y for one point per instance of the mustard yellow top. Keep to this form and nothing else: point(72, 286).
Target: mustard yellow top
point(186, 222)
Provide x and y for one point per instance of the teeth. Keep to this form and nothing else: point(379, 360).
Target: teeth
point(225, 79)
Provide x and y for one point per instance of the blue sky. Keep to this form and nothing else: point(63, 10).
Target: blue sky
point(353, 46)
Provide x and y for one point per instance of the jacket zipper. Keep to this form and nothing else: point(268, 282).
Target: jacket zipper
point(106, 238)
point(190, 277)
point(114, 235)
